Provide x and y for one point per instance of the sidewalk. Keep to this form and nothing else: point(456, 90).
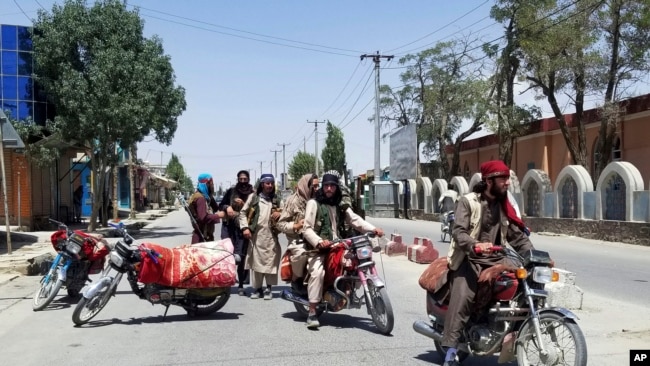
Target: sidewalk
point(29, 249)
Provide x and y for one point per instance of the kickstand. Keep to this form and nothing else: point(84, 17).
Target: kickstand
point(165, 314)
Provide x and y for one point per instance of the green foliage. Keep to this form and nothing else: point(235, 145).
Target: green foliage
point(109, 83)
point(303, 163)
point(176, 171)
point(442, 88)
point(40, 155)
point(333, 153)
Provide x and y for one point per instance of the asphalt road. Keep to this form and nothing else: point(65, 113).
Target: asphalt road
point(130, 331)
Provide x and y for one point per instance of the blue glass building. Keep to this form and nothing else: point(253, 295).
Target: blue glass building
point(20, 96)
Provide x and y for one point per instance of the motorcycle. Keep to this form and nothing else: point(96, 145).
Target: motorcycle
point(131, 260)
point(357, 271)
point(79, 254)
point(447, 224)
point(516, 321)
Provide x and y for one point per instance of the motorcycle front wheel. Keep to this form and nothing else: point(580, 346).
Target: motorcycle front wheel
point(47, 290)
point(381, 310)
point(88, 308)
point(562, 338)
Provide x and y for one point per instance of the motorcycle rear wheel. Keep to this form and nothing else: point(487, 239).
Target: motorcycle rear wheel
point(210, 307)
point(87, 309)
point(562, 338)
point(382, 310)
point(47, 291)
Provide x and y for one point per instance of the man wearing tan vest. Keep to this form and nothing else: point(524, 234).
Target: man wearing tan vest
point(484, 218)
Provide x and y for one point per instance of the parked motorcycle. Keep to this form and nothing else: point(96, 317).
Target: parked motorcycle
point(516, 321)
point(341, 291)
point(132, 261)
point(447, 225)
point(79, 254)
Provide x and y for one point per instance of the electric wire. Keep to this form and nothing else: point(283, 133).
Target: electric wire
point(363, 91)
point(342, 90)
point(440, 28)
point(247, 32)
point(368, 72)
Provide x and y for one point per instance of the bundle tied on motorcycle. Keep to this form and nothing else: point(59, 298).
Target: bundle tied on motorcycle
point(200, 265)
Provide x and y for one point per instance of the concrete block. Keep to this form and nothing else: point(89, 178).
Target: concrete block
point(395, 246)
point(564, 293)
point(422, 251)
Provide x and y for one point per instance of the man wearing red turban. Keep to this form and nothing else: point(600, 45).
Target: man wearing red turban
point(496, 224)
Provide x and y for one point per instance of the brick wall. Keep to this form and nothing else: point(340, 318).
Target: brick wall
point(16, 172)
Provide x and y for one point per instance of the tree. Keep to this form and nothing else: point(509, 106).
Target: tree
point(556, 39)
point(625, 25)
point(176, 171)
point(303, 163)
point(334, 151)
point(110, 85)
point(443, 87)
point(511, 120)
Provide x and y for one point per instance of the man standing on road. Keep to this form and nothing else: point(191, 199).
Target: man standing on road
point(258, 219)
point(232, 203)
point(323, 220)
point(204, 209)
point(495, 223)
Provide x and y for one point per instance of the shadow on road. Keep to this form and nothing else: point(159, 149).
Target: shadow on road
point(157, 319)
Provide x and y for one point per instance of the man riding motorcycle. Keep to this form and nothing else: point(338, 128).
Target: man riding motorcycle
point(323, 223)
point(484, 218)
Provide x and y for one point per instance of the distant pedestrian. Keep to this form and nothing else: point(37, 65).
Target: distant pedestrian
point(76, 200)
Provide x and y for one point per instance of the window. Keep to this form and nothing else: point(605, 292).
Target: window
point(616, 149)
point(9, 37)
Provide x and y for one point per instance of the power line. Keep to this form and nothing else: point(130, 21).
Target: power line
point(246, 37)
point(245, 31)
point(342, 90)
point(441, 28)
point(333, 114)
point(357, 115)
point(356, 101)
point(25, 14)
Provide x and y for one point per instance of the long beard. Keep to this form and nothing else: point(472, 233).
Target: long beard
point(498, 195)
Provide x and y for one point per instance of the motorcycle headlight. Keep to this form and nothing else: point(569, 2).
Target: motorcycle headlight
point(364, 252)
point(73, 248)
point(116, 259)
point(543, 275)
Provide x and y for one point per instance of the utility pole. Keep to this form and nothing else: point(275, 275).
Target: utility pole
point(259, 161)
point(376, 58)
point(284, 165)
point(304, 144)
point(275, 153)
point(316, 142)
point(4, 119)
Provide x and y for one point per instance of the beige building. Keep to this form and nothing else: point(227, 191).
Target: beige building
point(544, 146)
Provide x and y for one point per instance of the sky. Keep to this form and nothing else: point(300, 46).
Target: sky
point(256, 72)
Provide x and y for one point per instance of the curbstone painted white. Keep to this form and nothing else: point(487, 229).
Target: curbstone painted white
point(564, 293)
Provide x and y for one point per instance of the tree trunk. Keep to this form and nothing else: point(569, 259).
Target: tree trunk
point(132, 168)
point(116, 175)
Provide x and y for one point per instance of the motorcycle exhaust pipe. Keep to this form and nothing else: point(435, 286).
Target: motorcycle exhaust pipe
point(427, 330)
point(290, 296)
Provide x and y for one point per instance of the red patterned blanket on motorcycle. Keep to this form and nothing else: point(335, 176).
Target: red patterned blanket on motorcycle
point(201, 265)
